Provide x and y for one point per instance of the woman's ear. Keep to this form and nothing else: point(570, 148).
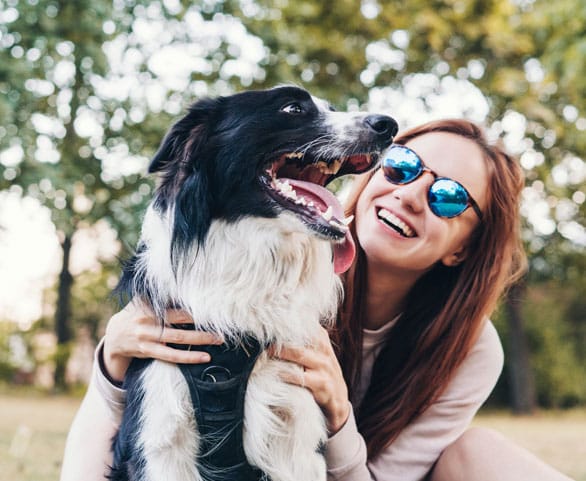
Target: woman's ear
point(455, 258)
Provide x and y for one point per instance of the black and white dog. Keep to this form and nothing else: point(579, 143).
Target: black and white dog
point(241, 234)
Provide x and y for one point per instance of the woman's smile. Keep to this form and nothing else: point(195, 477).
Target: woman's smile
point(398, 225)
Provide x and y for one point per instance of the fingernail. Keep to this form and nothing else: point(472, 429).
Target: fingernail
point(217, 339)
point(205, 357)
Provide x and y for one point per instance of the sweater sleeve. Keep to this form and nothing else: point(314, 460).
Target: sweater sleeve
point(417, 448)
point(112, 394)
point(88, 448)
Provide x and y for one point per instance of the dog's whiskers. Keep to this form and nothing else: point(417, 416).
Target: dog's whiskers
point(320, 142)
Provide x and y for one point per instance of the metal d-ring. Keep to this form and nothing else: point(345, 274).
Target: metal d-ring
point(216, 374)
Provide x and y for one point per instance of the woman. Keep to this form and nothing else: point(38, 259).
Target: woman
point(415, 354)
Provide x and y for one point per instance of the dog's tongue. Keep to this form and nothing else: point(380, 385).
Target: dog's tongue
point(344, 253)
point(345, 250)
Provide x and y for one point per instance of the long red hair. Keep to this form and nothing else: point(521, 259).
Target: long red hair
point(445, 309)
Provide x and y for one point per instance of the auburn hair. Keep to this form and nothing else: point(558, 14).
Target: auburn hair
point(444, 311)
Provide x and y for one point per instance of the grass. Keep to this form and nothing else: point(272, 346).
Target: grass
point(33, 428)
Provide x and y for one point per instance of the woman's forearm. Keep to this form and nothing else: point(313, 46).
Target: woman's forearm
point(87, 451)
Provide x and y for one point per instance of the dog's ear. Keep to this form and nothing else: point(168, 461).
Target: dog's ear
point(167, 151)
point(183, 160)
point(185, 137)
point(193, 212)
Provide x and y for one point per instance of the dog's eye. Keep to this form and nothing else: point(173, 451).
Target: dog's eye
point(292, 108)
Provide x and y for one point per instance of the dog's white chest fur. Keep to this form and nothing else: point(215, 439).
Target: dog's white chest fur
point(269, 278)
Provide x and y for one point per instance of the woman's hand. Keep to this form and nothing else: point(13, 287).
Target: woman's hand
point(134, 332)
point(322, 375)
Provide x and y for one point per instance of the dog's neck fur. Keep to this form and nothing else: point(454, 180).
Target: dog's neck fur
point(269, 278)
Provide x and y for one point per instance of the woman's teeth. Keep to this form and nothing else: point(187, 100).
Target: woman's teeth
point(396, 223)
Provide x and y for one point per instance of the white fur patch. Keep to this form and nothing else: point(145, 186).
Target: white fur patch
point(168, 437)
point(278, 291)
point(283, 425)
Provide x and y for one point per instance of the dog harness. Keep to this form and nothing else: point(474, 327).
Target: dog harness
point(217, 392)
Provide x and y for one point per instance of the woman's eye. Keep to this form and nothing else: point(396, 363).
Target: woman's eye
point(292, 108)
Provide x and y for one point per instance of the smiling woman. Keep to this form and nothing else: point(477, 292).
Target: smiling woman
point(416, 349)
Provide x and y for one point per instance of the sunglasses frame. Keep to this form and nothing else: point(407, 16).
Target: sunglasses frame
point(424, 168)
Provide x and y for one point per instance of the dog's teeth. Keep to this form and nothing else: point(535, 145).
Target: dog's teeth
point(289, 194)
point(285, 186)
point(311, 204)
point(327, 215)
point(337, 225)
point(348, 220)
point(285, 189)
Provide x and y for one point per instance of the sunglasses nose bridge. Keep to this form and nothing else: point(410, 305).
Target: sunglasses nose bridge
point(426, 177)
point(426, 170)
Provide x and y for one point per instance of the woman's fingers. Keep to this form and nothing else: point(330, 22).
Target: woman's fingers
point(176, 356)
point(177, 316)
point(307, 358)
point(187, 337)
point(303, 378)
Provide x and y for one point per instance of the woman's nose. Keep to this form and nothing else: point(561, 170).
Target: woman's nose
point(413, 196)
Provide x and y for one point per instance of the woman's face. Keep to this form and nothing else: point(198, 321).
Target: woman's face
point(384, 209)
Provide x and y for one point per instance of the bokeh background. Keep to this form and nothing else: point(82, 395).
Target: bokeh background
point(88, 89)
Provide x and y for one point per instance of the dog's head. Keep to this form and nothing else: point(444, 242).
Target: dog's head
point(260, 153)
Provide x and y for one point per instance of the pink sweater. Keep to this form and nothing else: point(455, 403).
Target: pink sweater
point(408, 458)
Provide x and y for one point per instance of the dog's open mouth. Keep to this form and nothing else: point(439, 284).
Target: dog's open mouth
point(299, 187)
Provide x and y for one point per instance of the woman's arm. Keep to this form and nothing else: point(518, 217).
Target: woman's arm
point(133, 332)
point(87, 450)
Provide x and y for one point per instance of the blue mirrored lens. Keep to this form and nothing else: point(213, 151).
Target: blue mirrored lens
point(401, 165)
point(447, 198)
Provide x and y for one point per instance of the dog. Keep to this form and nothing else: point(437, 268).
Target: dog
point(242, 235)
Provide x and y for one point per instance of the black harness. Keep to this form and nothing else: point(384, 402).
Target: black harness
point(217, 392)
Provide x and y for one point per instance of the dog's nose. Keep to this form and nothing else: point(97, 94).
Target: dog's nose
point(383, 125)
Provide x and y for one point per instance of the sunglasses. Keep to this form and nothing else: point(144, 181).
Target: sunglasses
point(446, 197)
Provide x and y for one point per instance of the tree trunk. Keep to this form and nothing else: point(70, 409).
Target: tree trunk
point(63, 316)
point(521, 379)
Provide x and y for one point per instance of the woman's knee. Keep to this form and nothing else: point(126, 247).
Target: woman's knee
point(477, 441)
point(467, 455)
point(482, 454)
